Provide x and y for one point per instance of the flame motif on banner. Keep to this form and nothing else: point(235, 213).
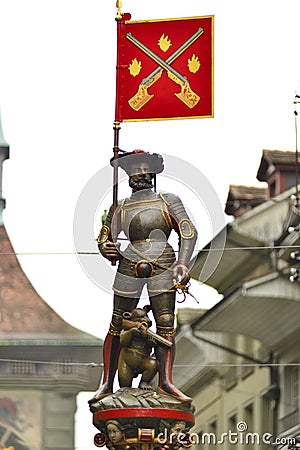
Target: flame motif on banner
point(169, 69)
point(164, 43)
point(135, 67)
point(194, 64)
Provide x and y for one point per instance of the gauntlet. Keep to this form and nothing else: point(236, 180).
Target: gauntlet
point(107, 248)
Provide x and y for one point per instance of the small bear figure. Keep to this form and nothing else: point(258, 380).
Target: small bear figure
point(136, 347)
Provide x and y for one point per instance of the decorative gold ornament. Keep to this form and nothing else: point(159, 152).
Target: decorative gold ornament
point(119, 12)
point(103, 235)
point(194, 64)
point(186, 229)
point(164, 43)
point(135, 67)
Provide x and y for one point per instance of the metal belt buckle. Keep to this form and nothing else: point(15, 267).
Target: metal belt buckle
point(144, 269)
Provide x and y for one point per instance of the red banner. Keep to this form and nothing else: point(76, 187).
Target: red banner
point(164, 69)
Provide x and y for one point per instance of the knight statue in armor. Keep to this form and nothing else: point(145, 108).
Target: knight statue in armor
point(147, 219)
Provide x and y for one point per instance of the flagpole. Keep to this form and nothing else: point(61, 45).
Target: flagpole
point(116, 128)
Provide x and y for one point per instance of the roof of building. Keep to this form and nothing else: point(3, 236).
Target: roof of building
point(242, 198)
point(274, 158)
point(247, 192)
point(187, 315)
point(24, 315)
point(229, 258)
point(266, 308)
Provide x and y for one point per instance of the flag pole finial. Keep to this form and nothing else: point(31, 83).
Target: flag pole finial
point(119, 12)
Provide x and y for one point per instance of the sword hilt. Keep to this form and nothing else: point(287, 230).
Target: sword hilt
point(143, 327)
point(127, 324)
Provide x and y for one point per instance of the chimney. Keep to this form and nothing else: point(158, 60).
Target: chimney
point(4, 154)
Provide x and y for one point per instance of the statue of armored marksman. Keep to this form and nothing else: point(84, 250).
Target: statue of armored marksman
point(146, 219)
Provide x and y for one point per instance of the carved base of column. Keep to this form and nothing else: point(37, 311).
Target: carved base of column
point(135, 419)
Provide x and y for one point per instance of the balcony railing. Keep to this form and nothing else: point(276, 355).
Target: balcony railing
point(246, 369)
point(289, 421)
point(29, 368)
point(230, 378)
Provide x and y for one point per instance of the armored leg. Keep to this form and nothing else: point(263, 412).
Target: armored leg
point(111, 348)
point(163, 306)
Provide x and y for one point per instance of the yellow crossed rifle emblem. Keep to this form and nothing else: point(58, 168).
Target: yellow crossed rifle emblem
point(187, 95)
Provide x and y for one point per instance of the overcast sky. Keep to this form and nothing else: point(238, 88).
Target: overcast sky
point(57, 94)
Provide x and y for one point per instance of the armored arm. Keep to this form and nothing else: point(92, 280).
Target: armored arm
point(107, 247)
point(184, 227)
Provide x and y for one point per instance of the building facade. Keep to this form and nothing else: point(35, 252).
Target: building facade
point(247, 344)
point(44, 361)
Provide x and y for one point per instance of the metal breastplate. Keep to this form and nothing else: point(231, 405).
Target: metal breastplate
point(146, 219)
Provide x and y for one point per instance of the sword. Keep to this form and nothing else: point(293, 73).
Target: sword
point(186, 95)
point(127, 324)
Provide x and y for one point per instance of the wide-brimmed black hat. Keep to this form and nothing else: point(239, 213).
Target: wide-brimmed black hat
point(127, 159)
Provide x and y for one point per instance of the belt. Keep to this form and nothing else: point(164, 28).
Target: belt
point(148, 240)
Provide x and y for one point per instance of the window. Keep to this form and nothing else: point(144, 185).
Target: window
point(291, 389)
point(232, 422)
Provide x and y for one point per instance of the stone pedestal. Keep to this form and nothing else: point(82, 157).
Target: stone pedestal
point(133, 418)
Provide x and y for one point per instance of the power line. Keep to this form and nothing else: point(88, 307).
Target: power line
point(54, 363)
point(204, 250)
point(177, 366)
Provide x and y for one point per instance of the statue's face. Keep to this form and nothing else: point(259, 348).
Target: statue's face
point(114, 433)
point(140, 178)
point(140, 168)
point(177, 428)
